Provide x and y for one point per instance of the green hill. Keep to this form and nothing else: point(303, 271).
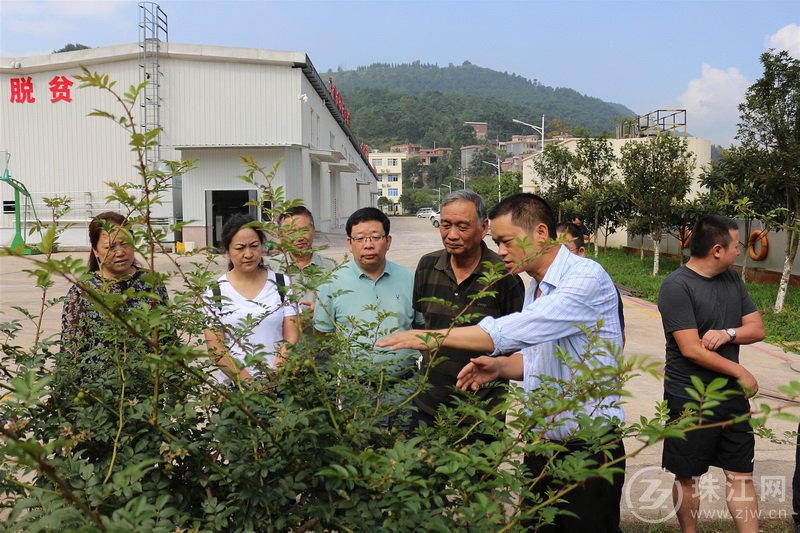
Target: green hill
point(425, 103)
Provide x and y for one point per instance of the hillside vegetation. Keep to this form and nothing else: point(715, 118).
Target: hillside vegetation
point(423, 103)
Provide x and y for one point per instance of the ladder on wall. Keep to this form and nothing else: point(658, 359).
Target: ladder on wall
point(152, 28)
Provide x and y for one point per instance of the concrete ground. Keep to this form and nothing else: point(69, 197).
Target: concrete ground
point(646, 503)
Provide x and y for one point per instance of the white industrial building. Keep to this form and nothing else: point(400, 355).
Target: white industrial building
point(215, 104)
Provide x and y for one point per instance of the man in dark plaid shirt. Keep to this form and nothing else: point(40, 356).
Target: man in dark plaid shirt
point(452, 274)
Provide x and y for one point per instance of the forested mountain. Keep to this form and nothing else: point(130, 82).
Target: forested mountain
point(424, 103)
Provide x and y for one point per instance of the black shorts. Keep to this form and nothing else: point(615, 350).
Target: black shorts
point(730, 447)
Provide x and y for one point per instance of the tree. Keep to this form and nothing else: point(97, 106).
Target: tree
point(595, 160)
point(412, 172)
point(414, 199)
point(478, 168)
point(736, 188)
point(612, 206)
point(769, 128)
point(438, 171)
point(70, 47)
point(384, 203)
point(657, 174)
point(510, 183)
point(556, 168)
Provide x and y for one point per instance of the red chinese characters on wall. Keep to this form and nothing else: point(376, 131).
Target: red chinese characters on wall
point(22, 90)
point(337, 99)
point(60, 89)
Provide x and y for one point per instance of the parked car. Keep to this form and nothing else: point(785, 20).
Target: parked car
point(435, 219)
point(425, 212)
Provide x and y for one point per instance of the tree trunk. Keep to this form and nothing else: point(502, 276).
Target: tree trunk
point(596, 229)
point(605, 240)
point(748, 227)
point(641, 248)
point(791, 252)
point(656, 253)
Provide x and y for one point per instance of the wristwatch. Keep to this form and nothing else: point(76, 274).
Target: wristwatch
point(732, 333)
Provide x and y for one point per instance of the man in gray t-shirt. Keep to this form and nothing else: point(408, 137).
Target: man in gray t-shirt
point(707, 314)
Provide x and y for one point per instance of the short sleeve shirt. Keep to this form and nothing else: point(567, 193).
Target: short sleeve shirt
point(256, 325)
point(688, 300)
point(435, 278)
point(352, 297)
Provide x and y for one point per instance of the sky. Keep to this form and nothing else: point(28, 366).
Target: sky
point(645, 54)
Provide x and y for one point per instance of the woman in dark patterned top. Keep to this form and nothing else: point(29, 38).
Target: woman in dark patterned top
point(90, 341)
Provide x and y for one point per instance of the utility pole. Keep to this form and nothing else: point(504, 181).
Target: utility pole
point(497, 166)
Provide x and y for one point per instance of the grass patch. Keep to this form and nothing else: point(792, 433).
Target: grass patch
point(783, 329)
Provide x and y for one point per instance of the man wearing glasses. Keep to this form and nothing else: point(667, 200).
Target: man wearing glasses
point(370, 290)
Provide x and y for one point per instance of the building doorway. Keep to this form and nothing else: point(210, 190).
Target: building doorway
point(222, 205)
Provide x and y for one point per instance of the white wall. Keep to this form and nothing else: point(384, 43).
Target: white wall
point(217, 104)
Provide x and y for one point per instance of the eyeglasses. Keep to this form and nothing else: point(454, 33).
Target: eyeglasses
point(368, 238)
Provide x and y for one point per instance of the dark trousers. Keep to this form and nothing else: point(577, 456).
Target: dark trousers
point(595, 502)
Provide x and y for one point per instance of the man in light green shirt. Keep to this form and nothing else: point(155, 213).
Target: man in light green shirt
point(368, 286)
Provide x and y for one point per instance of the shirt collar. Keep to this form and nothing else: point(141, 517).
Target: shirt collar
point(358, 273)
point(555, 273)
point(443, 263)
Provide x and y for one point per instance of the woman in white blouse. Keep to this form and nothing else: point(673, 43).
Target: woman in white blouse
point(251, 304)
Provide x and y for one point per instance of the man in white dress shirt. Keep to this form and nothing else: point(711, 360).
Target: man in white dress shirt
point(567, 293)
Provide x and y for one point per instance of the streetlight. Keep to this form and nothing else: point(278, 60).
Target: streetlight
point(497, 166)
point(463, 178)
point(439, 190)
point(535, 128)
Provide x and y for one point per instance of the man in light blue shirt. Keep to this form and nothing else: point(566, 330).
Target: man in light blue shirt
point(367, 286)
point(567, 293)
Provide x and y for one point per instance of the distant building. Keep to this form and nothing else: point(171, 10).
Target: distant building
point(480, 128)
point(511, 163)
point(388, 167)
point(521, 144)
point(467, 153)
point(430, 156)
point(407, 148)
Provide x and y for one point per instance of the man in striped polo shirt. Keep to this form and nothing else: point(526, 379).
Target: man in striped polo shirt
point(453, 274)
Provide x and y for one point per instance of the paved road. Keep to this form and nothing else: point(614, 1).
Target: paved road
point(647, 489)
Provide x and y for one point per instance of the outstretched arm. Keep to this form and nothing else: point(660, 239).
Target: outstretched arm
point(471, 338)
